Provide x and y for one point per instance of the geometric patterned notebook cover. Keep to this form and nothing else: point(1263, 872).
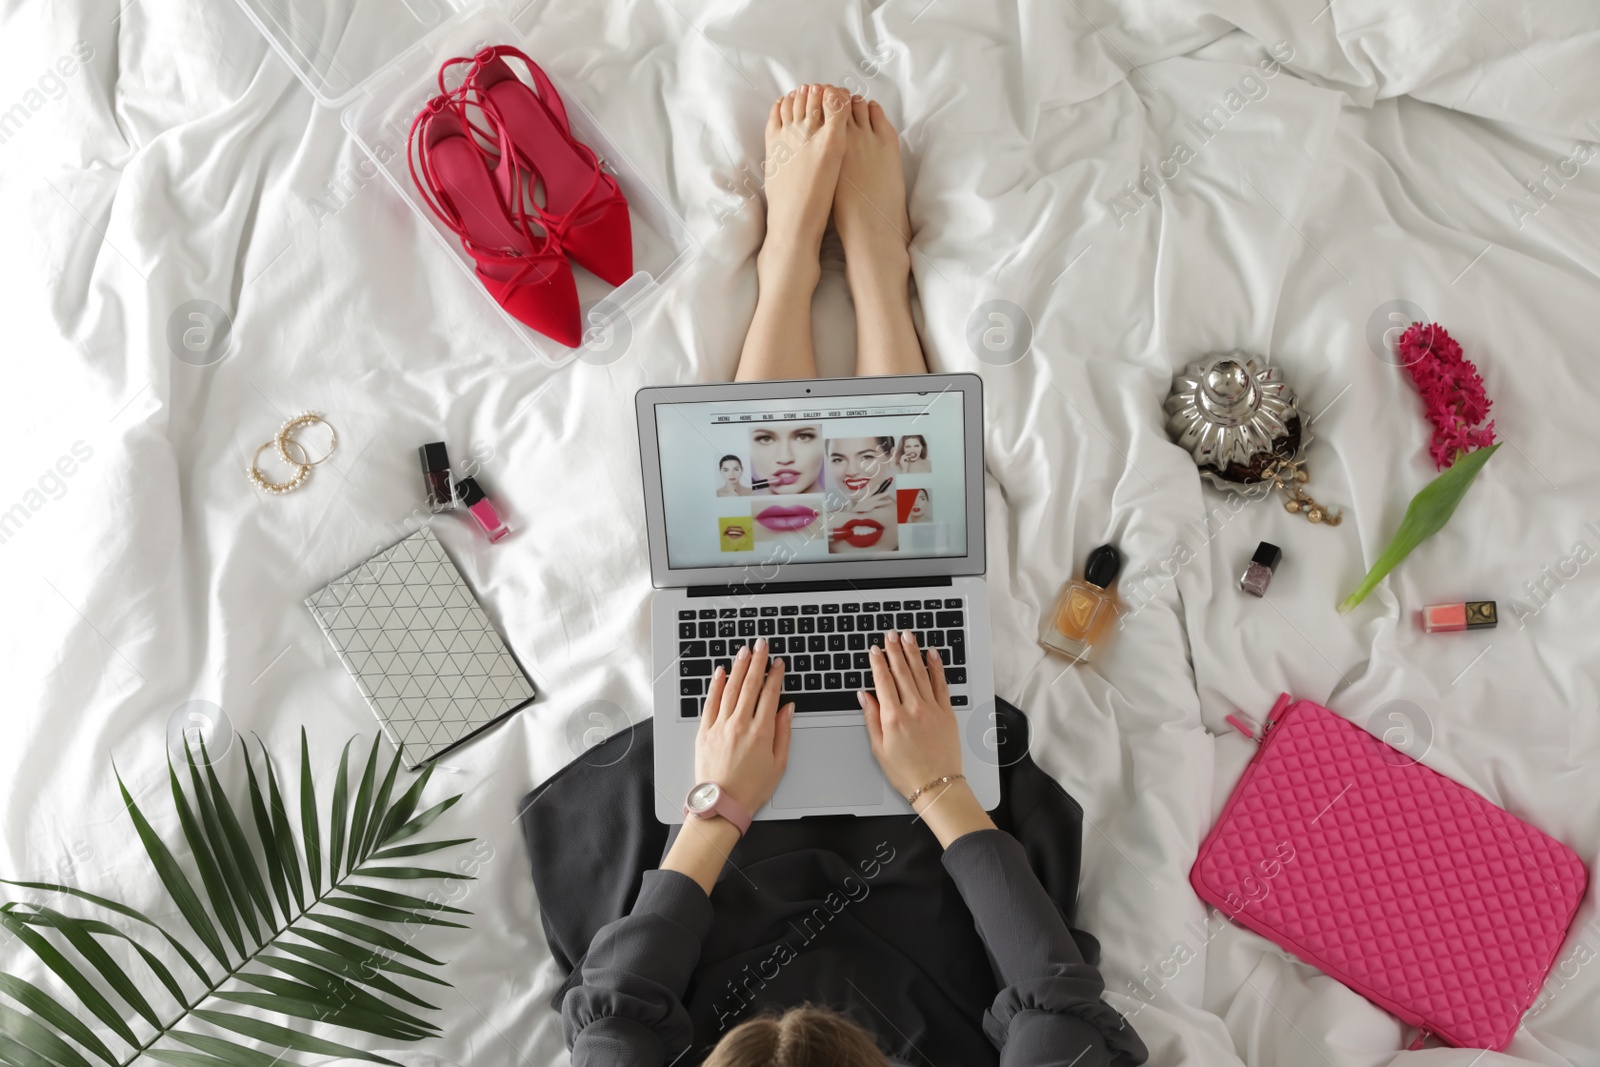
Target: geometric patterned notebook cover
point(433, 668)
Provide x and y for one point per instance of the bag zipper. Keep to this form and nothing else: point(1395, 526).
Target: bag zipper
point(1245, 726)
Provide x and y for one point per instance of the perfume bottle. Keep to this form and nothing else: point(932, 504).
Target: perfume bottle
point(1084, 607)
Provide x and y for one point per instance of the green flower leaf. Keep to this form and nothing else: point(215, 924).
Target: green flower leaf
point(1426, 515)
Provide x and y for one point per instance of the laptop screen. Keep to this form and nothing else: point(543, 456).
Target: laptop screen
point(814, 480)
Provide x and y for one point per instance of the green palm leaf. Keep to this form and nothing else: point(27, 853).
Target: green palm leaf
point(50, 1010)
point(310, 831)
point(222, 849)
point(336, 818)
point(344, 974)
point(283, 836)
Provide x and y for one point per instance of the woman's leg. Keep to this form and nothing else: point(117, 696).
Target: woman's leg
point(869, 211)
point(805, 144)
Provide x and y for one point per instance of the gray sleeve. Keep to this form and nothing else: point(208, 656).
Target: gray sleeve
point(627, 1011)
point(1049, 1012)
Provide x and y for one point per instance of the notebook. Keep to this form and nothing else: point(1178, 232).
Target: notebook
point(432, 666)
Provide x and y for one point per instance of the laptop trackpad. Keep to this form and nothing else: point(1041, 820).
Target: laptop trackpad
point(830, 767)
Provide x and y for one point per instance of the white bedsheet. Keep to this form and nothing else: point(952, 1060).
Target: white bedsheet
point(181, 160)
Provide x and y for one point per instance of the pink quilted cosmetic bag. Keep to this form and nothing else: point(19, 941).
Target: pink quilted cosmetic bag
point(1406, 886)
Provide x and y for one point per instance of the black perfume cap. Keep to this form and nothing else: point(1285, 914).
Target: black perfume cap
point(434, 457)
point(1481, 615)
point(1268, 555)
point(1102, 566)
point(468, 491)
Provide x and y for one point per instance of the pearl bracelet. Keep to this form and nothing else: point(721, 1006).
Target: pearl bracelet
point(283, 440)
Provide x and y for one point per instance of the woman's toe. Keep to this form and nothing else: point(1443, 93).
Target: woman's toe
point(858, 113)
point(775, 119)
point(880, 121)
point(835, 105)
point(813, 107)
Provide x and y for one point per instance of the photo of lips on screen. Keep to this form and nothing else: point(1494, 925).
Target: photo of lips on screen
point(868, 525)
point(794, 519)
point(786, 458)
point(736, 532)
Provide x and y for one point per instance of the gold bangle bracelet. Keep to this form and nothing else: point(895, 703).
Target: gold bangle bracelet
point(942, 780)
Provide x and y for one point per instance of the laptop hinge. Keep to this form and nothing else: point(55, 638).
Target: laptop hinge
point(840, 585)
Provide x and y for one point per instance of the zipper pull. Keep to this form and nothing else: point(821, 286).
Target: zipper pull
point(1245, 725)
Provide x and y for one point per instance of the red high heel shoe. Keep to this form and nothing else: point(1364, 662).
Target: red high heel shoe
point(524, 270)
point(583, 205)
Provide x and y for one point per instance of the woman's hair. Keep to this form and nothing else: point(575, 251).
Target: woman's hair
point(800, 1037)
point(725, 459)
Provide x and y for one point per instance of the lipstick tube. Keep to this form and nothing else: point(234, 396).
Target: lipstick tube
point(471, 494)
point(1452, 618)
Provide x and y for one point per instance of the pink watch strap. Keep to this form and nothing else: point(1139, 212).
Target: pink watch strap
point(725, 806)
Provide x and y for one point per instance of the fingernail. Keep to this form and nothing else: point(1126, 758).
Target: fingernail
point(719, 673)
point(933, 654)
point(761, 644)
point(876, 651)
point(744, 652)
point(779, 664)
point(908, 637)
point(890, 635)
point(861, 697)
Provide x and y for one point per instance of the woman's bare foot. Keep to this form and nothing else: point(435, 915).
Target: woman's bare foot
point(869, 211)
point(805, 146)
point(869, 202)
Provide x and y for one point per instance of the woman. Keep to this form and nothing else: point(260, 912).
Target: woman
point(831, 153)
point(786, 458)
point(732, 470)
point(860, 467)
point(912, 457)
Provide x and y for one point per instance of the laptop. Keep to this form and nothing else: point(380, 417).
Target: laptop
point(818, 514)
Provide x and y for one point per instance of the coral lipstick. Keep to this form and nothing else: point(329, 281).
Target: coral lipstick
point(862, 533)
point(786, 518)
point(783, 477)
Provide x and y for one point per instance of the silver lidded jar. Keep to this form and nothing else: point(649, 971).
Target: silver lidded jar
point(1235, 416)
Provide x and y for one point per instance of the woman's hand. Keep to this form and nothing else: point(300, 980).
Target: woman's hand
point(743, 740)
point(915, 737)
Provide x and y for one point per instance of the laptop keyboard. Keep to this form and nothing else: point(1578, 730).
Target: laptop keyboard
point(824, 646)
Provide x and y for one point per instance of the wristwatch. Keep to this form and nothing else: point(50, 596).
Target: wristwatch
point(708, 800)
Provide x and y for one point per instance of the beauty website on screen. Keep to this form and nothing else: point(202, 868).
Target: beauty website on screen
point(813, 480)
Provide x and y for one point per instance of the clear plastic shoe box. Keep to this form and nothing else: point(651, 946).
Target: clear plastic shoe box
point(377, 61)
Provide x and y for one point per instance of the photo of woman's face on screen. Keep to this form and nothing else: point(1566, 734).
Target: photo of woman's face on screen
point(859, 467)
point(915, 505)
point(786, 458)
point(730, 477)
point(911, 455)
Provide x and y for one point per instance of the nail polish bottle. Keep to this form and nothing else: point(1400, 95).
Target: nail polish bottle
point(1084, 606)
point(1452, 618)
point(1258, 574)
point(436, 476)
point(470, 493)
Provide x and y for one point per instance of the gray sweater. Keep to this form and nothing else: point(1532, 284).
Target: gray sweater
point(627, 1010)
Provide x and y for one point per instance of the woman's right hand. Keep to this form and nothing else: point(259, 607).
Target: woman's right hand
point(915, 736)
point(910, 720)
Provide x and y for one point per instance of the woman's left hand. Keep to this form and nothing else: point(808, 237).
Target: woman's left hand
point(743, 740)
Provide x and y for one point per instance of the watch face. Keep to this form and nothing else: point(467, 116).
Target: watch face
point(703, 796)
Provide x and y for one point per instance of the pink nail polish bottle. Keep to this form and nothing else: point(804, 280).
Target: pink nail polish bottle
point(471, 494)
